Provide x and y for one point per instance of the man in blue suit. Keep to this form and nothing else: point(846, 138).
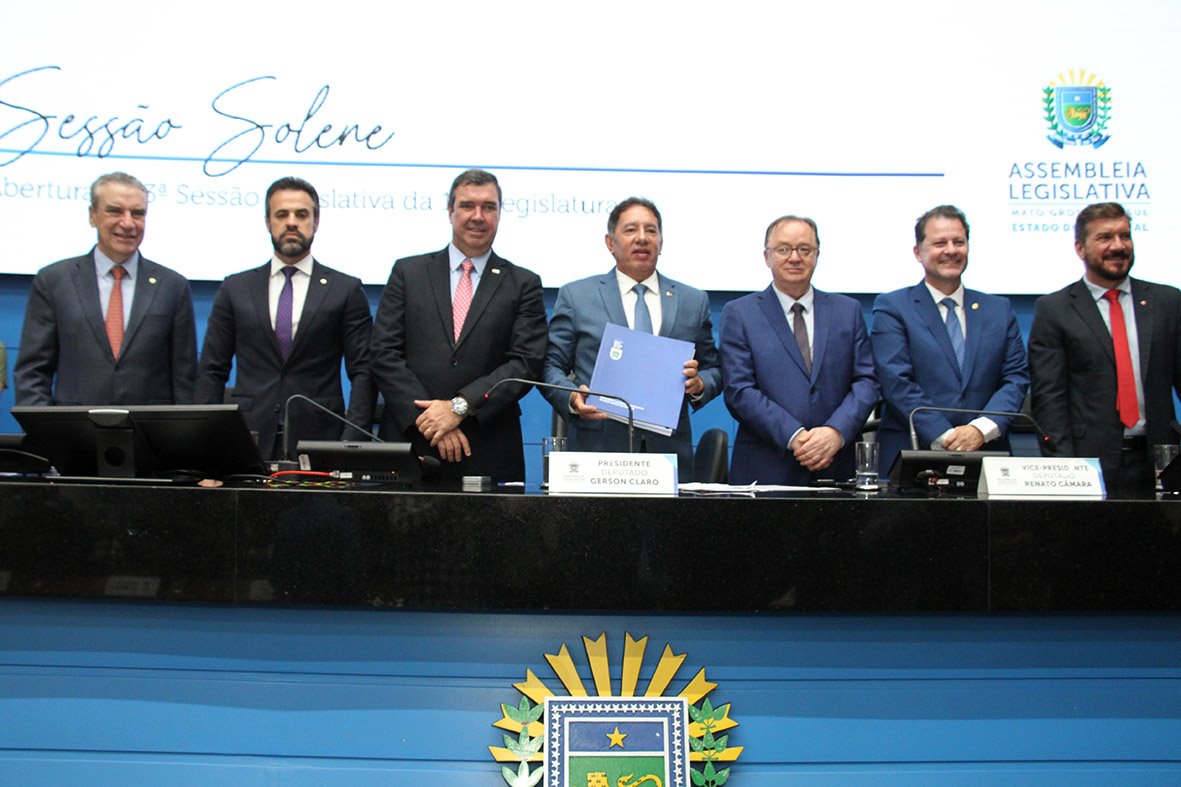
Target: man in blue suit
point(583, 310)
point(797, 369)
point(938, 345)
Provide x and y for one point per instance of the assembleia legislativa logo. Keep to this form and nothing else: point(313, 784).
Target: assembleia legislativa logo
point(1077, 107)
point(633, 737)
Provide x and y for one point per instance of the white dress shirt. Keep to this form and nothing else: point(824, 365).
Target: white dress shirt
point(300, 282)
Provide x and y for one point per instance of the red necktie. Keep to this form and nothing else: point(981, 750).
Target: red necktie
point(463, 298)
point(115, 311)
point(1128, 405)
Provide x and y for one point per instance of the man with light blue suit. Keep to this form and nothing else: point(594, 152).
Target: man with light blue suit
point(797, 369)
point(937, 344)
point(634, 295)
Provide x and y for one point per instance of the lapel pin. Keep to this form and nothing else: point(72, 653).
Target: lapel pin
point(496, 270)
point(323, 281)
point(151, 280)
point(975, 306)
point(668, 293)
point(1143, 303)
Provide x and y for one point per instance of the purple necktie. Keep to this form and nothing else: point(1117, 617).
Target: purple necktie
point(283, 314)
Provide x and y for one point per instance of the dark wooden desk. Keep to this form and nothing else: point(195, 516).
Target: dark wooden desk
point(447, 551)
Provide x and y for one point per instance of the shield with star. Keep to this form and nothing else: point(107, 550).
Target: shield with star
point(617, 742)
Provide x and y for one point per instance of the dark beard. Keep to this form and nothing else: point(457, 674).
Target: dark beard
point(1103, 274)
point(289, 247)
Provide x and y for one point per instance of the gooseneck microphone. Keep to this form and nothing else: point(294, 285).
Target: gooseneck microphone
point(321, 408)
point(631, 413)
point(1043, 438)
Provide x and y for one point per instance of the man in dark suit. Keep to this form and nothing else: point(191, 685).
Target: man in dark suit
point(450, 326)
point(937, 344)
point(583, 310)
point(797, 369)
point(109, 327)
point(1105, 358)
point(289, 323)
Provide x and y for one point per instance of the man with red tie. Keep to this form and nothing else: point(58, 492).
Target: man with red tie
point(1105, 358)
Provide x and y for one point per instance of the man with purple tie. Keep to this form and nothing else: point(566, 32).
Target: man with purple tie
point(288, 324)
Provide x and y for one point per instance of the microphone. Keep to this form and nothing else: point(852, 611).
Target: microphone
point(321, 408)
point(631, 412)
point(914, 435)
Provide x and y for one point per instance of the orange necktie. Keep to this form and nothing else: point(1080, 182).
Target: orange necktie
point(115, 311)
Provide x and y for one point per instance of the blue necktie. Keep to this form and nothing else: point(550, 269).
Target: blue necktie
point(642, 317)
point(283, 314)
point(954, 332)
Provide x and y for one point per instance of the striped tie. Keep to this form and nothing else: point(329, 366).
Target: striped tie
point(955, 332)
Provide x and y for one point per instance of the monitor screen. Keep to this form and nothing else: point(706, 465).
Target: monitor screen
point(141, 441)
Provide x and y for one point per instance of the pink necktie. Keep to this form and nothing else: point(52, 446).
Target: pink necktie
point(115, 311)
point(463, 298)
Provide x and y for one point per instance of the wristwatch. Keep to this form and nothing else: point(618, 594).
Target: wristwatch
point(460, 407)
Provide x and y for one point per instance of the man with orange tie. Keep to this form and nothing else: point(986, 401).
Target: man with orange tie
point(1105, 358)
point(451, 324)
point(109, 327)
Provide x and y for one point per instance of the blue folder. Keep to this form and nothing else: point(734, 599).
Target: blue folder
point(647, 371)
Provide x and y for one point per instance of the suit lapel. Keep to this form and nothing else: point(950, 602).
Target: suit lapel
point(928, 312)
point(821, 321)
point(977, 323)
point(490, 280)
point(145, 292)
point(773, 311)
point(86, 284)
point(439, 278)
point(260, 301)
point(669, 303)
point(1088, 311)
point(311, 307)
point(613, 301)
point(1142, 310)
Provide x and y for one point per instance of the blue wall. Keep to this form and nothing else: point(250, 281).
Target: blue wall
point(128, 693)
point(537, 412)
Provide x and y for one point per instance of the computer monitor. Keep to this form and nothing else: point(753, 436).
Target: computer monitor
point(141, 441)
point(939, 472)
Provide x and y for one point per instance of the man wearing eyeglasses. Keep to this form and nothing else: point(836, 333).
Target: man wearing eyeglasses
point(937, 344)
point(797, 372)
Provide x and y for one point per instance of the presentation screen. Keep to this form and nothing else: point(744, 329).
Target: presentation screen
point(859, 115)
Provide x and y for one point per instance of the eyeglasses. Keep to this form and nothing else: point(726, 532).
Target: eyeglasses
point(785, 252)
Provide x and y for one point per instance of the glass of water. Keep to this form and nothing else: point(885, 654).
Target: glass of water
point(867, 466)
